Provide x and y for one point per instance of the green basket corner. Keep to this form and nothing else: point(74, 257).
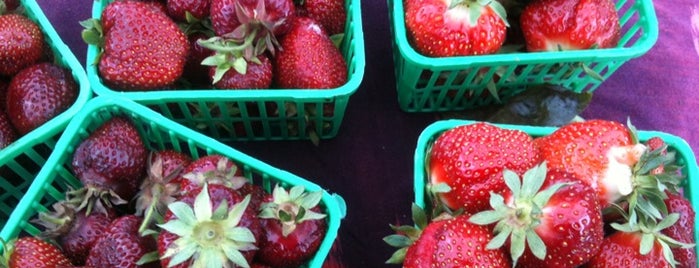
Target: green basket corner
point(253, 115)
point(426, 84)
point(685, 157)
point(158, 132)
point(22, 160)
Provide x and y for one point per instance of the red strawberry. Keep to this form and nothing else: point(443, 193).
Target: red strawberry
point(143, 49)
point(21, 43)
point(8, 134)
point(236, 64)
point(32, 252)
point(211, 169)
point(122, 245)
point(198, 8)
point(329, 13)
point(682, 230)
point(75, 231)
point(274, 15)
point(294, 227)
point(553, 25)
point(621, 250)
point(441, 28)
point(297, 66)
point(562, 212)
point(111, 160)
point(470, 160)
point(3, 92)
point(256, 76)
point(39, 93)
point(210, 225)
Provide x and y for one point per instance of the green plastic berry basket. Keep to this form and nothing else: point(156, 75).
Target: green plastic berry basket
point(21, 160)
point(158, 133)
point(251, 115)
point(427, 84)
point(685, 157)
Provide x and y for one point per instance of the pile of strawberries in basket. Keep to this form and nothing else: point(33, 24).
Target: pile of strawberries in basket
point(589, 194)
point(33, 90)
point(227, 44)
point(162, 208)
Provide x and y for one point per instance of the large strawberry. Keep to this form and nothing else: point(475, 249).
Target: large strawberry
point(207, 231)
point(143, 48)
point(551, 218)
point(444, 28)
point(110, 162)
point(297, 66)
point(8, 134)
point(31, 252)
point(329, 13)
point(470, 160)
point(211, 169)
point(238, 64)
point(553, 25)
point(122, 245)
point(294, 227)
point(682, 230)
point(37, 94)
point(21, 43)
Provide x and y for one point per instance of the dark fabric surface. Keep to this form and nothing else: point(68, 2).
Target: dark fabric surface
point(369, 163)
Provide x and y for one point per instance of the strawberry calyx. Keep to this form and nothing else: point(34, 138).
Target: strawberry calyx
point(208, 237)
point(475, 9)
point(7, 248)
point(156, 192)
point(406, 235)
point(193, 25)
point(59, 222)
point(94, 197)
point(223, 174)
point(232, 53)
point(257, 20)
point(291, 207)
point(518, 220)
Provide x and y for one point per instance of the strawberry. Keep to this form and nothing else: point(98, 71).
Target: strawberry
point(621, 249)
point(157, 190)
point(207, 231)
point(294, 227)
point(122, 245)
point(274, 16)
point(470, 160)
point(329, 13)
point(143, 48)
point(238, 65)
point(8, 134)
point(296, 66)
point(178, 8)
point(553, 25)
point(211, 169)
point(21, 43)
point(75, 231)
point(111, 161)
point(682, 230)
point(445, 241)
point(9, 5)
point(37, 94)
point(31, 252)
point(3, 92)
point(257, 76)
point(551, 218)
point(444, 28)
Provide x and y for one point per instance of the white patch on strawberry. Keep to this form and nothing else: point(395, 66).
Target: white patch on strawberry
point(617, 178)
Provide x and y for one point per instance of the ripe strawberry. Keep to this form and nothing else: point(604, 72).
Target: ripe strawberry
point(112, 159)
point(21, 43)
point(37, 94)
point(553, 25)
point(329, 13)
point(257, 76)
point(470, 160)
point(621, 249)
point(296, 66)
point(143, 49)
point(3, 92)
point(74, 231)
point(682, 230)
point(210, 228)
point(177, 9)
point(31, 252)
point(294, 227)
point(238, 65)
point(122, 245)
point(8, 134)
point(274, 15)
point(211, 169)
point(444, 28)
point(551, 219)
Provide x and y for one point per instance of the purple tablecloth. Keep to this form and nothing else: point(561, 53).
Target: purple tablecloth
point(370, 164)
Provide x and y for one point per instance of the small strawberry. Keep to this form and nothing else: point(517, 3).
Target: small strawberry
point(682, 230)
point(207, 232)
point(143, 48)
point(551, 219)
point(211, 169)
point(329, 13)
point(238, 65)
point(297, 66)
point(8, 134)
point(31, 252)
point(444, 28)
point(110, 162)
point(21, 43)
point(37, 94)
point(294, 227)
point(470, 160)
point(553, 25)
point(177, 9)
point(122, 245)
